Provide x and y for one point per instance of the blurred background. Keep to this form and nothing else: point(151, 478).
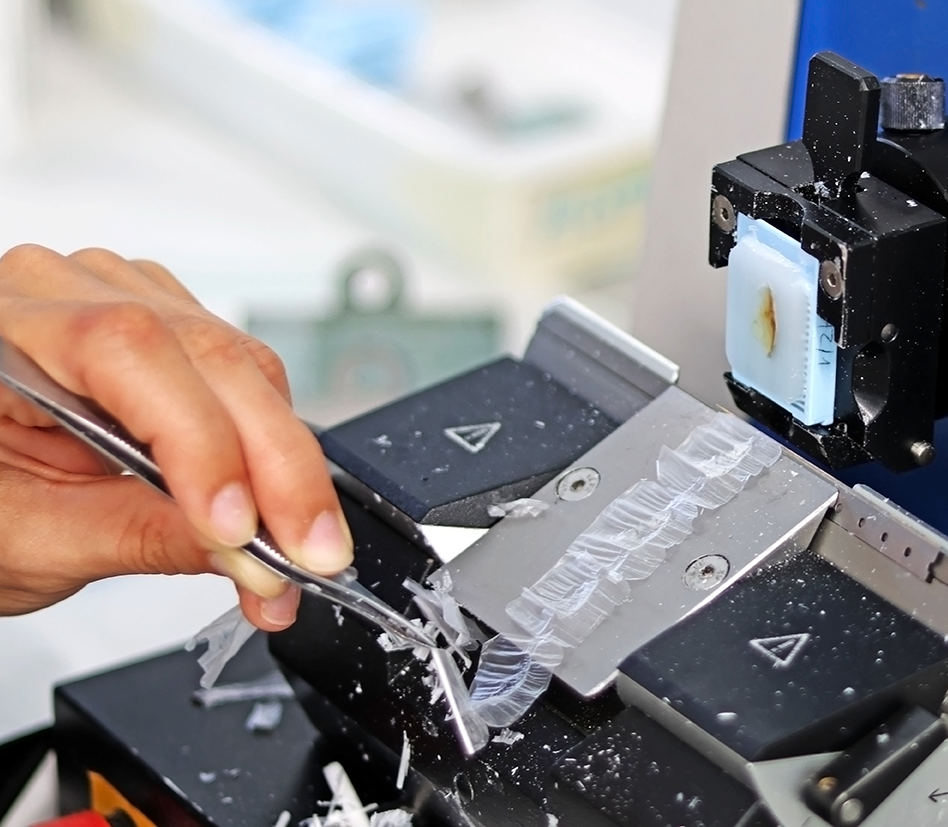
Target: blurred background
point(387, 191)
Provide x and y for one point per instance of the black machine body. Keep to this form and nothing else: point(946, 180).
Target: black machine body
point(867, 210)
point(740, 639)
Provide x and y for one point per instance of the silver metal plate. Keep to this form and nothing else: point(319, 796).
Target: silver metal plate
point(777, 511)
point(922, 799)
point(779, 784)
point(891, 530)
point(926, 601)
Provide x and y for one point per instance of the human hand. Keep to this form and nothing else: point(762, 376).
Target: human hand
point(211, 401)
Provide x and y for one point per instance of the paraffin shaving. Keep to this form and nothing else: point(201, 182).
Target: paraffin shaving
point(628, 541)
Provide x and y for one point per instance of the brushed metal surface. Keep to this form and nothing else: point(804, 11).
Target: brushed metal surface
point(777, 511)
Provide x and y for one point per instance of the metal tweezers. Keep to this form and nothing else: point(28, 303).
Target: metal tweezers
point(112, 440)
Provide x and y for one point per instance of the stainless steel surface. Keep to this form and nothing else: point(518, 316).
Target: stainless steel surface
point(889, 529)
point(596, 360)
point(923, 452)
point(473, 735)
point(831, 279)
point(706, 572)
point(97, 429)
point(927, 602)
point(779, 783)
point(722, 211)
point(851, 811)
point(577, 484)
point(921, 799)
point(779, 510)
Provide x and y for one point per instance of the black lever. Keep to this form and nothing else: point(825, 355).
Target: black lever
point(841, 119)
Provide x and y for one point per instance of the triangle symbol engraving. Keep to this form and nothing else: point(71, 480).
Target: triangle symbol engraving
point(472, 438)
point(782, 651)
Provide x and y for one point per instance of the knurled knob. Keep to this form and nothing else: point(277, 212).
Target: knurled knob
point(913, 103)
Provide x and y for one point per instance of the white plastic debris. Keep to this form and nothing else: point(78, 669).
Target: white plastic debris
point(269, 687)
point(404, 762)
point(225, 637)
point(391, 818)
point(207, 777)
point(518, 509)
point(345, 800)
point(452, 614)
point(443, 611)
point(265, 716)
point(507, 737)
point(283, 820)
point(393, 643)
point(445, 618)
point(389, 643)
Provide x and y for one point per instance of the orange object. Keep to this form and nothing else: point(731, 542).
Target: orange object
point(106, 799)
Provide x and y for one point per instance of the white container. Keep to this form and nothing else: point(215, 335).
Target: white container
point(566, 207)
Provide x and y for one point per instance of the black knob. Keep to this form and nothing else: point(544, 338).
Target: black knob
point(913, 103)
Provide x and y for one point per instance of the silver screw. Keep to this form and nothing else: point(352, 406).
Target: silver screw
point(851, 811)
point(831, 280)
point(706, 572)
point(577, 484)
point(923, 452)
point(889, 333)
point(722, 211)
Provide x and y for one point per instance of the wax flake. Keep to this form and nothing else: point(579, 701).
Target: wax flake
point(270, 686)
point(224, 637)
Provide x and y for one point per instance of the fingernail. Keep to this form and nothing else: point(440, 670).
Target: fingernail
point(327, 548)
point(281, 611)
point(233, 517)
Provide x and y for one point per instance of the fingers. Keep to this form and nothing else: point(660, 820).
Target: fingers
point(273, 614)
point(98, 275)
point(15, 407)
point(288, 478)
point(163, 277)
point(52, 448)
point(267, 600)
point(59, 535)
point(146, 279)
point(287, 470)
point(247, 572)
point(125, 358)
point(210, 400)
